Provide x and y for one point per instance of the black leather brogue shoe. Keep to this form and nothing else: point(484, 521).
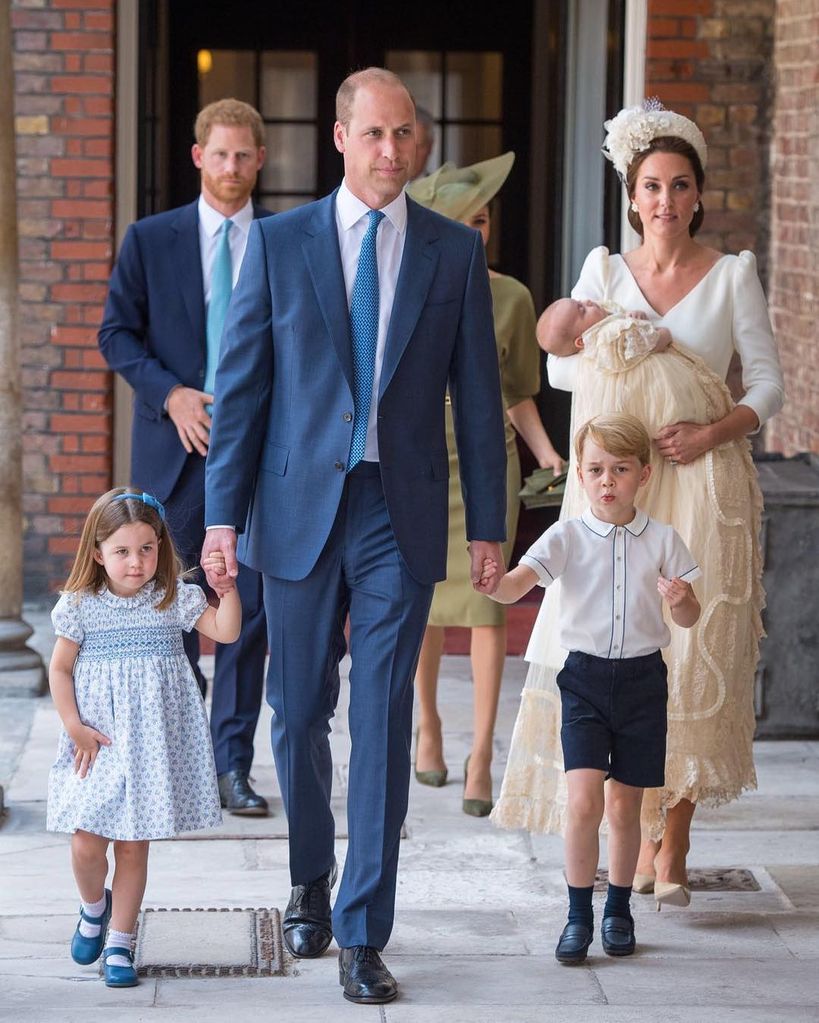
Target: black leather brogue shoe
point(364, 976)
point(236, 796)
point(307, 925)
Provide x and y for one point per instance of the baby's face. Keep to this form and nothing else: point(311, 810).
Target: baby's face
point(580, 314)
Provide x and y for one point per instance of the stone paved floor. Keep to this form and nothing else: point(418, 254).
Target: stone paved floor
point(478, 910)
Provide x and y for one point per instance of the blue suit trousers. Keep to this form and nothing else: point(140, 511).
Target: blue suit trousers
point(361, 573)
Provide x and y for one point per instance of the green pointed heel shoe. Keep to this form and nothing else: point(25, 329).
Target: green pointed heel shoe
point(475, 807)
point(434, 778)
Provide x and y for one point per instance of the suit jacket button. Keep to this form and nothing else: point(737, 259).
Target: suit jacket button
point(340, 466)
point(347, 417)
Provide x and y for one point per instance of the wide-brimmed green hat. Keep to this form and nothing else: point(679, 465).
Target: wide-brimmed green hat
point(459, 192)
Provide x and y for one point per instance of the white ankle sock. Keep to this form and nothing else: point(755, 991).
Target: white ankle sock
point(119, 939)
point(88, 930)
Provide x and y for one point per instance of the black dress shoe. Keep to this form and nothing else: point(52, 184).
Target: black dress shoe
point(617, 935)
point(364, 977)
point(574, 943)
point(236, 795)
point(307, 925)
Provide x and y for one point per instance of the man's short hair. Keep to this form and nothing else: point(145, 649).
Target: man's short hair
point(352, 83)
point(231, 112)
point(618, 433)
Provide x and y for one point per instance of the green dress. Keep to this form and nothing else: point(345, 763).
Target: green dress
point(454, 601)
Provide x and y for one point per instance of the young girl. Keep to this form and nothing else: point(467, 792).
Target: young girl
point(134, 761)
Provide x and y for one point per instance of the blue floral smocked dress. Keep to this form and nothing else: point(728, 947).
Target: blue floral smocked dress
point(134, 684)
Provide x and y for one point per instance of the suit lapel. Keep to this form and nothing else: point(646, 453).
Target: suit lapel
point(187, 260)
point(418, 263)
point(323, 258)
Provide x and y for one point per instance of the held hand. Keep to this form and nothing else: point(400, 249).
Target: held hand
point(683, 442)
point(186, 407)
point(214, 564)
point(481, 551)
point(489, 571)
point(674, 591)
point(87, 742)
point(221, 545)
point(664, 339)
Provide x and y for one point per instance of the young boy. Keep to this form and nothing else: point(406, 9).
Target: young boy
point(616, 567)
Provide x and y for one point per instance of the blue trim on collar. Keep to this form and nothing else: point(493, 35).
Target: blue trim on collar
point(636, 527)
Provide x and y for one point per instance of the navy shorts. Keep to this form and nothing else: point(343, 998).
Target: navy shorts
point(614, 716)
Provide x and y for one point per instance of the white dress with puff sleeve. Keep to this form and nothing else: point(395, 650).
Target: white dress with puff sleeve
point(715, 505)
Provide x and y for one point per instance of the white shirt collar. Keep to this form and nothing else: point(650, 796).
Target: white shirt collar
point(212, 220)
point(351, 209)
point(635, 527)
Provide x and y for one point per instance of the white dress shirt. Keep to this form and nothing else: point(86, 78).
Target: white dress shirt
point(351, 221)
point(610, 604)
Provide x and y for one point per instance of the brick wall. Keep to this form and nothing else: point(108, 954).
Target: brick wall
point(64, 87)
point(794, 278)
point(711, 60)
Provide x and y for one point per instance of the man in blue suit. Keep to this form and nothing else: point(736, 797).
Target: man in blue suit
point(351, 317)
point(161, 330)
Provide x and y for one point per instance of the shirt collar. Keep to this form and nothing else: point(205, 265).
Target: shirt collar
point(351, 209)
point(212, 220)
point(635, 527)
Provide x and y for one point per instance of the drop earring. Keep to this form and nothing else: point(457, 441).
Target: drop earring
point(696, 207)
point(635, 208)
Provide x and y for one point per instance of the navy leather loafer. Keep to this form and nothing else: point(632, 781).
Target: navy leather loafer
point(574, 943)
point(617, 935)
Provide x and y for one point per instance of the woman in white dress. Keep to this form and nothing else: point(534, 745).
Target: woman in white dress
point(713, 305)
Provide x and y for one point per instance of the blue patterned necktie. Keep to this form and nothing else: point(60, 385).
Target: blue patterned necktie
point(221, 285)
point(364, 334)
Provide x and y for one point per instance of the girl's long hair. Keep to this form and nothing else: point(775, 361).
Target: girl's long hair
point(106, 517)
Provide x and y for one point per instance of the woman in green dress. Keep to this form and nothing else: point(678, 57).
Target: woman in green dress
point(464, 194)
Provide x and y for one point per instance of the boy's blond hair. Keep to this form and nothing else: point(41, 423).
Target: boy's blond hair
point(618, 433)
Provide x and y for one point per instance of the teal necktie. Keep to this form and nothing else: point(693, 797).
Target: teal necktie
point(364, 335)
point(221, 285)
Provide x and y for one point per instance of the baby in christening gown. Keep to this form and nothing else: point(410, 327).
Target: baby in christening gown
point(625, 364)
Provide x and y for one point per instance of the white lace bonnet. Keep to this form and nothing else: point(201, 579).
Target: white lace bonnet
point(634, 128)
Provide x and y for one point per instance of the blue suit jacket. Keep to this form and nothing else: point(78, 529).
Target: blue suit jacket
point(153, 334)
point(282, 422)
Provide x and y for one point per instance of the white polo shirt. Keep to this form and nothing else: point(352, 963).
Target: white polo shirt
point(610, 606)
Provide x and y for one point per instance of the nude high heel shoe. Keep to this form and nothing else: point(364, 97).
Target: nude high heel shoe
point(671, 894)
point(643, 884)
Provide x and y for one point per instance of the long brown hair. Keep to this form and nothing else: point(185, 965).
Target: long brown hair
point(105, 518)
point(666, 144)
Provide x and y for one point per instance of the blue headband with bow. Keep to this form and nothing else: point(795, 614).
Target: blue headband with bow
point(148, 499)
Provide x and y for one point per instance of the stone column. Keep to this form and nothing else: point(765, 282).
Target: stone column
point(21, 669)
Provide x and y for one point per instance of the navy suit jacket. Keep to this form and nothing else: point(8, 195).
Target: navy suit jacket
point(282, 424)
point(153, 334)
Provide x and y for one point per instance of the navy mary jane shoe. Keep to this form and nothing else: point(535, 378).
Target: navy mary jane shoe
point(119, 976)
point(88, 950)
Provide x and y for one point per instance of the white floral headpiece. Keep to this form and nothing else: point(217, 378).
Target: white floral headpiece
point(633, 130)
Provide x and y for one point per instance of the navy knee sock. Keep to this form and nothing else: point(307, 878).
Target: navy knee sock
point(580, 906)
point(617, 901)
